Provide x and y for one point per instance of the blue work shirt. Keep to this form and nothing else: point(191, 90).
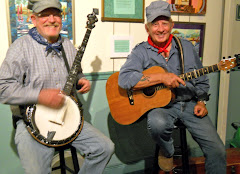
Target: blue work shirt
point(144, 56)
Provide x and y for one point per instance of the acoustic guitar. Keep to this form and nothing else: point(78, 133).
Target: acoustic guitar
point(127, 106)
point(58, 127)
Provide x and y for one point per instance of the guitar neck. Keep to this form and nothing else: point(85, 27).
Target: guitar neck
point(200, 72)
point(72, 77)
point(193, 75)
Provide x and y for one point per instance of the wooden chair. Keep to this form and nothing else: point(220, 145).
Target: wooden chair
point(63, 165)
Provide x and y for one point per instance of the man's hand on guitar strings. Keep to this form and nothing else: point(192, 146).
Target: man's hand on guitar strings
point(85, 85)
point(171, 80)
point(200, 109)
point(51, 98)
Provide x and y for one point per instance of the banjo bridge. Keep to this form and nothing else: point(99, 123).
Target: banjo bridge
point(60, 124)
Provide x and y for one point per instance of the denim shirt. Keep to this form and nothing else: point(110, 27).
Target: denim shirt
point(144, 56)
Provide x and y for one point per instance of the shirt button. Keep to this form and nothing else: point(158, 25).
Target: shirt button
point(54, 70)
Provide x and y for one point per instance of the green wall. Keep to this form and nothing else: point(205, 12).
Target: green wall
point(134, 149)
point(9, 162)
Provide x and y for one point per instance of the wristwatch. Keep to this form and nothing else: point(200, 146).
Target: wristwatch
point(203, 101)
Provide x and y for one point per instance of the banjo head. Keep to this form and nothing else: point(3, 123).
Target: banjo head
point(56, 127)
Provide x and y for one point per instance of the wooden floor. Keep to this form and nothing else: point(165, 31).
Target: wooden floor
point(197, 163)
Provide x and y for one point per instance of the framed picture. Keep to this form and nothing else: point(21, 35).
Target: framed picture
point(188, 6)
point(121, 46)
point(194, 32)
point(20, 20)
point(123, 10)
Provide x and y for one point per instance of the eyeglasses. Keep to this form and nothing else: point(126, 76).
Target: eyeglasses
point(47, 15)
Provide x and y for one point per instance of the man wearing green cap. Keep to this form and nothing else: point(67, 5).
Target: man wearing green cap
point(189, 105)
point(34, 72)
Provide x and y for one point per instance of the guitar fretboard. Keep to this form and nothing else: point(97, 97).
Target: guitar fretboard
point(193, 75)
point(200, 72)
point(72, 77)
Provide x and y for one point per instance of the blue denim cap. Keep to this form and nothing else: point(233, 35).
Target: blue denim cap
point(40, 5)
point(157, 8)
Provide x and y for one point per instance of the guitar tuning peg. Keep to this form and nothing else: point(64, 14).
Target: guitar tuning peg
point(228, 72)
point(223, 57)
point(96, 11)
point(229, 56)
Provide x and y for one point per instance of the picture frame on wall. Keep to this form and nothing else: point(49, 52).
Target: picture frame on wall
point(121, 46)
point(20, 19)
point(123, 10)
point(194, 32)
point(197, 7)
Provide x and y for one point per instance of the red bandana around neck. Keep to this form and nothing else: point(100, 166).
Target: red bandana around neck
point(160, 49)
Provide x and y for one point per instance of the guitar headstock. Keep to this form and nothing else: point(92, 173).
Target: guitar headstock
point(229, 63)
point(92, 19)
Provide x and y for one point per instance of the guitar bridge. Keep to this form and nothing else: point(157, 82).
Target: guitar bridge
point(130, 97)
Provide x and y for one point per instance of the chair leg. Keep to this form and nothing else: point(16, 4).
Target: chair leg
point(62, 162)
point(75, 159)
point(155, 162)
point(184, 150)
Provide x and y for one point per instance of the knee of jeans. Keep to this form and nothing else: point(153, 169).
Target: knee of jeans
point(104, 149)
point(109, 148)
point(157, 125)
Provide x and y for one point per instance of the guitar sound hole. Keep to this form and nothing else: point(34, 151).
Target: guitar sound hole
point(149, 91)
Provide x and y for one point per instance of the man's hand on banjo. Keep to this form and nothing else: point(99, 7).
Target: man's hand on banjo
point(51, 98)
point(85, 85)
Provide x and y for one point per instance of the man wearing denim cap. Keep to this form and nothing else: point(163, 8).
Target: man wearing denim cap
point(189, 105)
point(34, 72)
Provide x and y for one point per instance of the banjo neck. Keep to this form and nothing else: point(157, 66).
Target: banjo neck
point(72, 77)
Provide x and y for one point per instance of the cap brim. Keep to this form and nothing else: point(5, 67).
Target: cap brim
point(43, 7)
point(154, 16)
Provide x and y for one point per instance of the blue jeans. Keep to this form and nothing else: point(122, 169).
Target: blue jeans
point(36, 158)
point(161, 123)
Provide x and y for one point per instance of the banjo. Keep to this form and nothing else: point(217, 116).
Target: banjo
point(58, 127)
